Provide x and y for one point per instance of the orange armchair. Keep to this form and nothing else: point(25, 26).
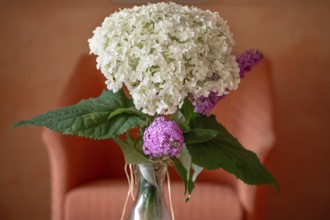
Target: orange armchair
point(88, 179)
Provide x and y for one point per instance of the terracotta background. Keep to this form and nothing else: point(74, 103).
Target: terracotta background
point(40, 43)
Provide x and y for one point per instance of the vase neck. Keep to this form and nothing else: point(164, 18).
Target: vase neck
point(150, 202)
point(152, 175)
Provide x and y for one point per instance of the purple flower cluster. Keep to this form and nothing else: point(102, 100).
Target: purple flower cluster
point(248, 60)
point(204, 105)
point(162, 138)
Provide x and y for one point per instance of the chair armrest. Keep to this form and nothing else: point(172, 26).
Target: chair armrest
point(75, 160)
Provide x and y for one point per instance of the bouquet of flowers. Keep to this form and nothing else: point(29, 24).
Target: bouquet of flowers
point(175, 64)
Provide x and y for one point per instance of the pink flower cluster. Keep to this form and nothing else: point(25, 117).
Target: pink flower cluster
point(162, 138)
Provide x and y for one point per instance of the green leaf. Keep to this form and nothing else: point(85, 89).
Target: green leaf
point(132, 155)
point(180, 120)
point(185, 159)
point(187, 110)
point(199, 135)
point(181, 170)
point(130, 110)
point(106, 116)
point(224, 151)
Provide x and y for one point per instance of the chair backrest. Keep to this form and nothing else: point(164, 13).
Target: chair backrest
point(248, 114)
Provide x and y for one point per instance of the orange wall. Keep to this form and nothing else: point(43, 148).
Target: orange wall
point(40, 46)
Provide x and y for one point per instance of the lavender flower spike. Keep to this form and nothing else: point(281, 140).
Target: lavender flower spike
point(162, 138)
point(204, 105)
point(248, 60)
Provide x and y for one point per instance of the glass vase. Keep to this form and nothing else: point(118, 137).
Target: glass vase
point(150, 203)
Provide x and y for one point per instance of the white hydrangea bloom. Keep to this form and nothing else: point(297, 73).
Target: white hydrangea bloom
point(163, 53)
